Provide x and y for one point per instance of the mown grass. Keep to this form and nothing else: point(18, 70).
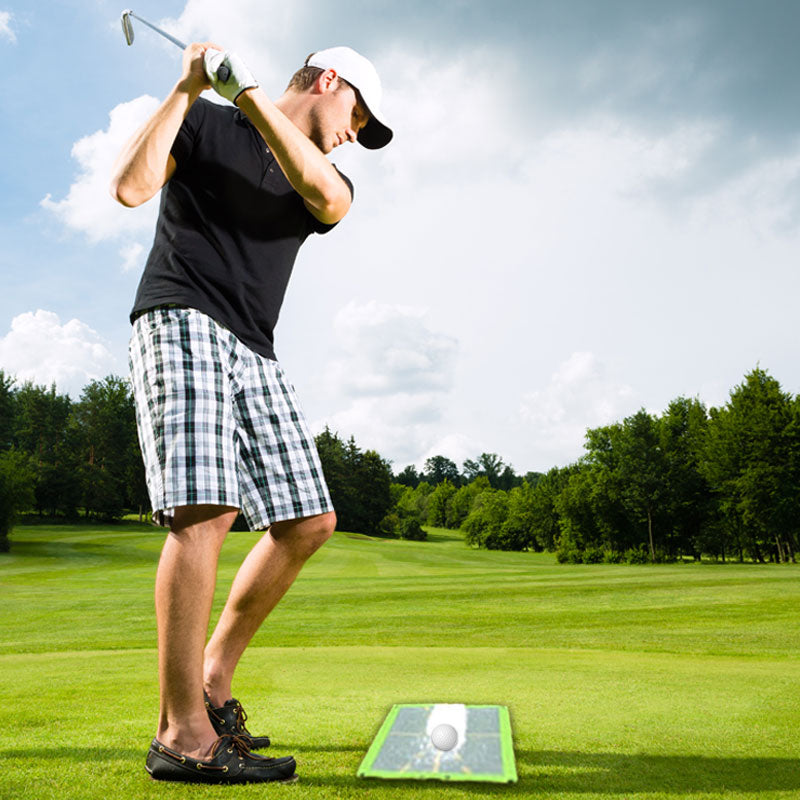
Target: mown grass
point(659, 682)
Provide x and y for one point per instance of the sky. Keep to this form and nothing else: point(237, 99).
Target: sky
point(589, 207)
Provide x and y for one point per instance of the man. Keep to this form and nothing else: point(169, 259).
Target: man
point(219, 425)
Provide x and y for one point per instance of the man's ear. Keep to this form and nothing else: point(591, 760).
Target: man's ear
point(326, 81)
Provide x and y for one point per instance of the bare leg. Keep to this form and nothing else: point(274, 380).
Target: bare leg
point(185, 584)
point(264, 577)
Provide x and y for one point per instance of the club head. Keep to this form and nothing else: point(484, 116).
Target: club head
point(127, 26)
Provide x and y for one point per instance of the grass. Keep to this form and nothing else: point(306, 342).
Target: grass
point(669, 681)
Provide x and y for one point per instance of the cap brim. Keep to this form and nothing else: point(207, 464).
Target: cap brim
point(375, 134)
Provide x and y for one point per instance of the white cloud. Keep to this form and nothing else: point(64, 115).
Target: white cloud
point(763, 199)
point(261, 33)
point(581, 394)
point(88, 207)
point(390, 350)
point(132, 256)
point(5, 27)
point(392, 379)
point(39, 348)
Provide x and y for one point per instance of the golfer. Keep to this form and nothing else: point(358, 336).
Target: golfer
point(219, 424)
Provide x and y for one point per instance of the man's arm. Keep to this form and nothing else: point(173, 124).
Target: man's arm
point(311, 175)
point(145, 163)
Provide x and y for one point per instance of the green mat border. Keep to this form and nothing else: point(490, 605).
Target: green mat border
point(509, 774)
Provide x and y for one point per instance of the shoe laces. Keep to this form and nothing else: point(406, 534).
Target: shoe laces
point(238, 742)
point(241, 716)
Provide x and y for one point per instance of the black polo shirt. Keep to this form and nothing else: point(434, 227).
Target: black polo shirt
point(229, 228)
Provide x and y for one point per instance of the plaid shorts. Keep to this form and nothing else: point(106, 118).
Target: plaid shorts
point(219, 424)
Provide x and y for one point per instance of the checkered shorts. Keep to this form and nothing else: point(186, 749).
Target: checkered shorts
point(219, 424)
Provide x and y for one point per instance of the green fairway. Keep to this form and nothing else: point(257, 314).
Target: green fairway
point(622, 682)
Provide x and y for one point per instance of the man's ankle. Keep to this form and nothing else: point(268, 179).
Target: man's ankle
point(218, 690)
point(193, 744)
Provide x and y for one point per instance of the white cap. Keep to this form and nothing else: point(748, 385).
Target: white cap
point(360, 73)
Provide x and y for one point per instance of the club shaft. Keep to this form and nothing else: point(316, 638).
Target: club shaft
point(166, 35)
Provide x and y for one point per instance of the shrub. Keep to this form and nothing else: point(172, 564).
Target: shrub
point(637, 555)
point(569, 555)
point(593, 555)
point(410, 528)
point(389, 525)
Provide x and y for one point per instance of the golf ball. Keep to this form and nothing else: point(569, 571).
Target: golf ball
point(444, 737)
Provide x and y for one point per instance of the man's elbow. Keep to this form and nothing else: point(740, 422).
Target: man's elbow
point(334, 207)
point(126, 195)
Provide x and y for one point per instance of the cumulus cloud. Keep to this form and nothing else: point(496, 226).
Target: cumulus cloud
point(88, 207)
point(390, 350)
point(392, 379)
point(581, 394)
point(5, 27)
point(39, 348)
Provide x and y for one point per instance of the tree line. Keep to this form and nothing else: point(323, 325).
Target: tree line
point(691, 482)
point(61, 457)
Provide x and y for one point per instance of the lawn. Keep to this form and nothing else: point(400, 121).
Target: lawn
point(669, 681)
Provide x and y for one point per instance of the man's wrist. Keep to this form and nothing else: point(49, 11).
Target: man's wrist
point(189, 87)
point(246, 97)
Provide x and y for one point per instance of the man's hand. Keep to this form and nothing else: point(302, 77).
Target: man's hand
point(194, 79)
point(239, 79)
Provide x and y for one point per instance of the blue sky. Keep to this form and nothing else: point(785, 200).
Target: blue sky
point(589, 207)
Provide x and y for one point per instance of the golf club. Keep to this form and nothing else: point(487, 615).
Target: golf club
point(223, 73)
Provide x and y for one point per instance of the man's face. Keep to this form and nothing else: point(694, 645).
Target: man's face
point(337, 116)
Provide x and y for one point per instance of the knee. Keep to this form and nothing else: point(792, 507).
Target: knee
point(305, 536)
point(322, 530)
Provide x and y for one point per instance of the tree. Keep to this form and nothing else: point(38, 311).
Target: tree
point(438, 501)
point(413, 503)
point(105, 428)
point(6, 411)
point(16, 492)
point(489, 465)
point(642, 469)
point(517, 532)
point(438, 469)
point(751, 459)
point(408, 477)
point(483, 525)
point(40, 421)
point(461, 502)
point(372, 476)
point(688, 502)
point(359, 483)
point(543, 510)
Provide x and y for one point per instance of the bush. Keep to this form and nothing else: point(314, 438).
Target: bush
point(569, 555)
point(637, 555)
point(410, 528)
point(593, 555)
point(389, 525)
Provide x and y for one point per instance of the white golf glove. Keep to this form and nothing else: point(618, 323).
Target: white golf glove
point(239, 79)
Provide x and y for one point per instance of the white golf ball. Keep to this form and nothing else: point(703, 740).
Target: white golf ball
point(444, 737)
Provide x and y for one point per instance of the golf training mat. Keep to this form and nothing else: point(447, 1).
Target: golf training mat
point(403, 748)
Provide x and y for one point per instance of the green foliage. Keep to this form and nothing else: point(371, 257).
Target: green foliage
point(462, 501)
point(16, 490)
point(408, 477)
point(359, 483)
point(409, 528)
point(438, 502)
point(483, 525)
point(82, 454)
point(752, 460)
point(439, 469)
